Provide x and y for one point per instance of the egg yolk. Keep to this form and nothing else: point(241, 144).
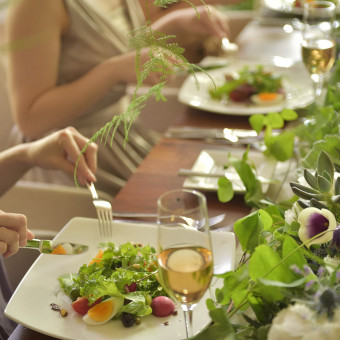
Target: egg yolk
point(267, 96)
point(102, 311)
point(59, 250)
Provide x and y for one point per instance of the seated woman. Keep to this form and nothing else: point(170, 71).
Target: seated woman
point(60, 150)
point(69, 65)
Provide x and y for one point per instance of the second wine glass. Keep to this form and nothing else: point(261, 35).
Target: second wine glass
point(318, 43)
point(185, 261)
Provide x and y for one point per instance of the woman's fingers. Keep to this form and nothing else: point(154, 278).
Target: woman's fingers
point(71, 142)
point(3, 247)
point(16, 223)
point(11, 239)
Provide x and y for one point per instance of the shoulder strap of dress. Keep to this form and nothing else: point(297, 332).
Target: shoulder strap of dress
point(136, 13)
point(96, 19)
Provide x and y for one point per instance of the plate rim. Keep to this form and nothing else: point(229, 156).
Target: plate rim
point(188, 184)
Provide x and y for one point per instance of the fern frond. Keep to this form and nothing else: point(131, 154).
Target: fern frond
point(167, 3)
point(166, 56)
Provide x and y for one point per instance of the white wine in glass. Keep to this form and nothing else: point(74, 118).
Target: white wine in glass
point(318, 42)
point(185, 261)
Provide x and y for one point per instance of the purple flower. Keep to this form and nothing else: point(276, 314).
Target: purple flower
point(314, 221)
point(309, 284)
point(336, 238)
point(337, 276)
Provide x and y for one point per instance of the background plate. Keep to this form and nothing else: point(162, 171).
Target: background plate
point(30, 303)
point(212, 161)
point(296, 82)
point(286, 6)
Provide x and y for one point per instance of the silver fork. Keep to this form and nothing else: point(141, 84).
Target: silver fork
point(104, 212)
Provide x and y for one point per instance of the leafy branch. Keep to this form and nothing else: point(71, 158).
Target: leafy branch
point(165, 57)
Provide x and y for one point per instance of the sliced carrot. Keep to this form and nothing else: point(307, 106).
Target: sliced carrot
point(97, 258)
point(59, 250)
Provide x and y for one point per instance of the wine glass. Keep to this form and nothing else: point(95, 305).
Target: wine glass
point(185, 261)
point(318, 42)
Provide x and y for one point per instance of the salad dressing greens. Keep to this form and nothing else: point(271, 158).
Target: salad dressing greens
point(257, 81)
point(111, 272)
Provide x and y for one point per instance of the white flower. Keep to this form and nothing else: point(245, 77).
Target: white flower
point(314, 221)
point(291, 215)
point(298, 322)
point(331, 263)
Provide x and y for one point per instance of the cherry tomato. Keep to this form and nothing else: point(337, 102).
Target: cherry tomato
point(81, 305)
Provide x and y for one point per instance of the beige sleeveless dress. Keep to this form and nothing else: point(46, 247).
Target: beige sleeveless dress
point(91, 39)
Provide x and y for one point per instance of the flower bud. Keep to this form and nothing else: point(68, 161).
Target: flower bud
point(336, 238)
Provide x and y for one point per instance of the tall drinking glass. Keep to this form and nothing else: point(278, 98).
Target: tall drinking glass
point(185, 260)
point(318, 42)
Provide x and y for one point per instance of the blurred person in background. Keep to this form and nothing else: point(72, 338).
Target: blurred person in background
point(69, 64)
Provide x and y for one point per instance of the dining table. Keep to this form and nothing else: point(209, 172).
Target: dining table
point(261, 39)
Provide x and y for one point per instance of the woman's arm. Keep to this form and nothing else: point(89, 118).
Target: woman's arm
point(34, 30)
point(60, 150)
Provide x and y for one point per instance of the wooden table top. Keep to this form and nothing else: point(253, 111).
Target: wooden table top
point(158, 172)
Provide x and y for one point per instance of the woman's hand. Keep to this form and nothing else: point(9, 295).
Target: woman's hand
point(13, 233)
point(61, 150)
point(204, 21)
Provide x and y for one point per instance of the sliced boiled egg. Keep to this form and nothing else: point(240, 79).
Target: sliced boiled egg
point(63, 249)
point(103, 311)
point(267, 98)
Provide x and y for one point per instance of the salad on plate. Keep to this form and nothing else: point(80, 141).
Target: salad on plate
point(255, 86)
point(118, 283)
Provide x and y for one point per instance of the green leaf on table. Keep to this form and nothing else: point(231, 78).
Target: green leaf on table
point(275, 120)
point(234, 282)
point(330, 144)
point(253, 186)
point(281, 284)
point(296, 257)
point(257, 122)
point(248, 230)
point(225, 191)
point(276, 217)
point(260, 309)
point(273, 291)
point(289, 115)
point(266, 263)
point(281, 146)
point(222, 329)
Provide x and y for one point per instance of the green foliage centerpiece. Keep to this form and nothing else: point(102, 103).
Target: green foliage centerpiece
point(287, 282)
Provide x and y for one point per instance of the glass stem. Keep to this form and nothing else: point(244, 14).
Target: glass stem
point(318, 81)
point(188, 323)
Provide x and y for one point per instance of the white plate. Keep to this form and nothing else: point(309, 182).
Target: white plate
point(287, 6)
point(30, 303)
point(296, 82)
point(213, 161)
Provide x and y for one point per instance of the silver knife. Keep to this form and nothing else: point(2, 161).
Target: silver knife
point(51, 247)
